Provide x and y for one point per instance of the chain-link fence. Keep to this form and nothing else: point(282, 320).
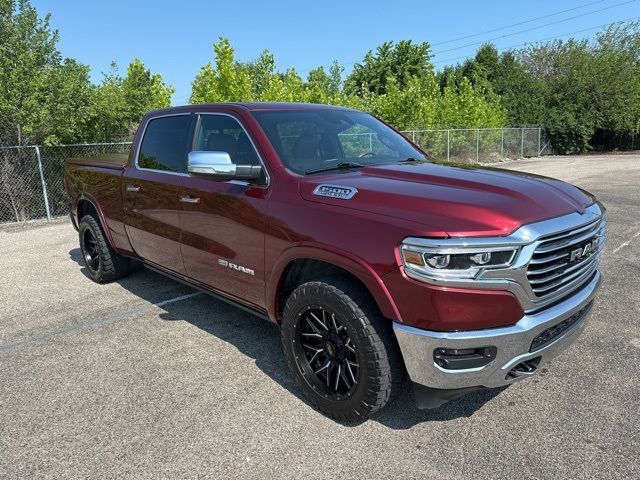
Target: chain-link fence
point(21, 185)
point(481, 145)
point(484, 145)
point(32, 177)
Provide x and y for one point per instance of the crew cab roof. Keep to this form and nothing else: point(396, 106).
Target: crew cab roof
point(250, 106)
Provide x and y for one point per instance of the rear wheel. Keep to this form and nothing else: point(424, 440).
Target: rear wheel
point(341, 351)
point(102, 262)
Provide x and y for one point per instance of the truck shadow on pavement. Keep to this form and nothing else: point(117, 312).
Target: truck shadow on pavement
point(260, 340)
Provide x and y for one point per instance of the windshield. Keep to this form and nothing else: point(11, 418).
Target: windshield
point(309, 141)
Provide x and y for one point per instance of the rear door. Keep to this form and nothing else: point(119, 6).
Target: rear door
point(223, 222)
point(151, 190)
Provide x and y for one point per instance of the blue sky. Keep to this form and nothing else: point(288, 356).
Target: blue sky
point(175, 38)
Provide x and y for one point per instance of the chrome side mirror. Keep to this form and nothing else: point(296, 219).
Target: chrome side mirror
point(218, 166)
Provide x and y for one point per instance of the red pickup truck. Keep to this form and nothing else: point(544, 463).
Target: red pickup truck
point(375, 260)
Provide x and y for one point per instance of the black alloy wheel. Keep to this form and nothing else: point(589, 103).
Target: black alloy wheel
point(91, 250)
point(341, 351)
point(326, 353)
point(102, 262)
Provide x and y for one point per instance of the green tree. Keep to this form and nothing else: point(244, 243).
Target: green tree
point(45, 99)
point(118, 103)
point(109, 112)
point(27, 54)
point(144, 91)
point(464, 106)
point(616, 89)
point(286, 87)
point(414, 106)
point(224, 83)
point(67, 102)
point(504, 76)
point(327, 87)
point(522, 94)
point(586, 94)
point(400, 62)
point(401, 87)
point(260, 72)
point(318, 88)
point(570, 113)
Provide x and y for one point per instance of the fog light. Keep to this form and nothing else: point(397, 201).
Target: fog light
point(481, 258)
point(462, 358)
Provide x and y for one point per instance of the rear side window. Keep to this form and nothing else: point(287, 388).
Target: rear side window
point(164, 144)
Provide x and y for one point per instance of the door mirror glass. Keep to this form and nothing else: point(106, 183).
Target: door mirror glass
point(218, 166)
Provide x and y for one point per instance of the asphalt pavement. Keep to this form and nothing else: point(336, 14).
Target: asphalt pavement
point(145, 377)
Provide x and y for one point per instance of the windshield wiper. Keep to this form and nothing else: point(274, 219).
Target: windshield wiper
point(339, 166)
point(412, 160)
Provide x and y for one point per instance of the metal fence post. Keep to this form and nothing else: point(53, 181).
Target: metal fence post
point(44, 185)
point(478, 146)
point(502, 143)
point(522, 145)
point(413, 136)
point(539, 142)
point(447, 145)
point(370, 142)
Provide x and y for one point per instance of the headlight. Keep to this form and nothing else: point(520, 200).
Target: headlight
point(442, 263)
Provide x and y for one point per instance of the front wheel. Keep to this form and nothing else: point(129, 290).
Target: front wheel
point(341, 351)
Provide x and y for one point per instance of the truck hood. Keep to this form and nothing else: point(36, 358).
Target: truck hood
point(448, 200)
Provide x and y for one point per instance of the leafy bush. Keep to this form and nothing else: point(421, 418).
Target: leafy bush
point(402, 98)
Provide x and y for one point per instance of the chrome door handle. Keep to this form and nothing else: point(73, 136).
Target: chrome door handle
point(190, 199)
point(133, 188)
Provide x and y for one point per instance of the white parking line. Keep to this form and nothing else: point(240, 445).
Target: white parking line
point(98, 321)
point(177, 299)
point(627, 242)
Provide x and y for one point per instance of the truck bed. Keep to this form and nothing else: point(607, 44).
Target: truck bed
point(115, 161)
point(99, 179)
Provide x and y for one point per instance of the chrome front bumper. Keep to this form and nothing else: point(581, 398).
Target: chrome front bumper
point(512, 343)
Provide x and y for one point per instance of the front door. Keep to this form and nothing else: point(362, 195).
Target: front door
point(223, 222)
point(151, 191)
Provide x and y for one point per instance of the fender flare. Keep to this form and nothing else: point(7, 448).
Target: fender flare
point(343, 259)
point(101, 218)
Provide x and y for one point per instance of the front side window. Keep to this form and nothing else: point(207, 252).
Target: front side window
point(221, 133)
point(319, 139)
point(164, 144)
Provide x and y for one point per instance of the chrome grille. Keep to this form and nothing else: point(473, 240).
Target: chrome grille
point(563, 261)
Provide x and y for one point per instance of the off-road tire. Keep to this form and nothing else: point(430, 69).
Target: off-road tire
point(380, 371)
point(109, 265)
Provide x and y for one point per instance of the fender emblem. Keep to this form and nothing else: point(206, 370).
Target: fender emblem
point(335, 191)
